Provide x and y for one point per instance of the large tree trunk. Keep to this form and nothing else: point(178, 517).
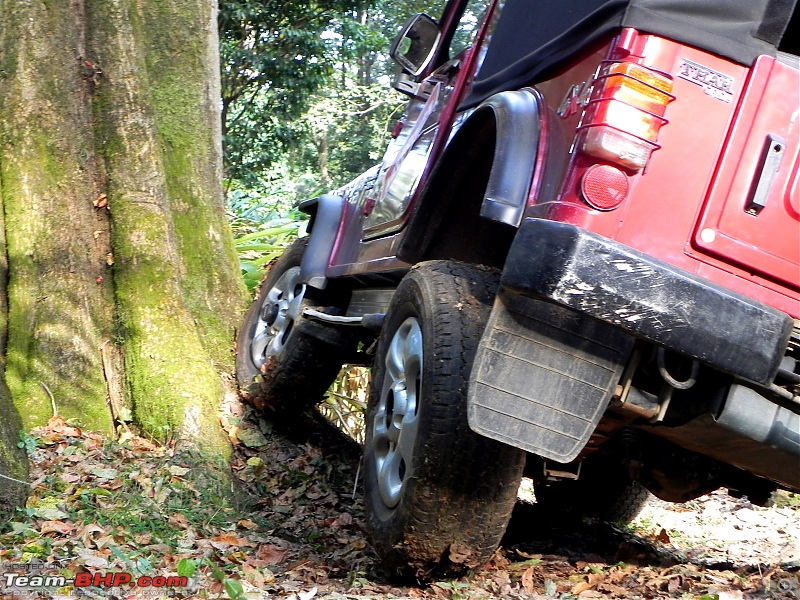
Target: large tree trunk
point(121, 281)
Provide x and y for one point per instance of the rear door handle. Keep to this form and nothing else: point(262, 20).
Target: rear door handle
point(768, 165)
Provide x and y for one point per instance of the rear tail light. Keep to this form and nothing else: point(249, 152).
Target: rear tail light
point(624, 115)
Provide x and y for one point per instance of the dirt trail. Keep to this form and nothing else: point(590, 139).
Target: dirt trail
point(713, 547)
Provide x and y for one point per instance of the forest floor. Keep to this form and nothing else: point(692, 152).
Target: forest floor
point(296, 532)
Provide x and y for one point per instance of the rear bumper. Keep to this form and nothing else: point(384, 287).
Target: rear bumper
point(647, 298)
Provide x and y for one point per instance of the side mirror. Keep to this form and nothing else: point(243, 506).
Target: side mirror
point(414, 48)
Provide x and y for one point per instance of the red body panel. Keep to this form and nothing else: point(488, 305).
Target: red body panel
point(767, 242)
point(709, 150)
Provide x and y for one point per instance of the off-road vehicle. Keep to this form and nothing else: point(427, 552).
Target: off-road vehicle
point(578, 260)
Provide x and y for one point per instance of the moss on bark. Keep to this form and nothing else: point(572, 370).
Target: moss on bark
point(13, 463)
point(177, 288)
point(181, 66)
point(57, 312)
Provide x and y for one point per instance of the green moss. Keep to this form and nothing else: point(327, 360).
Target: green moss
point(52, 342)
point(170, 322)
point(13, 462)
point(212, 286)
point(56, 317)
point(174, 388)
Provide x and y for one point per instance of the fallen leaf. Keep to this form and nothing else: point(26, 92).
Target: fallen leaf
point(254, 576)
point(226, 540)
point(92, 559)
point(142, 539)
point(612, 589)
point(52, 514)
point(59, 425)
point(247, 524)
point(527, 580)
point(307, 595)
point(581, 587)
point(104, 541)
point(179, 521)
point(271, 554)
point(55, 527)
point(86, 534)
point(178, 471)
point(343, 520)
point(252, 438)
point(104, 473)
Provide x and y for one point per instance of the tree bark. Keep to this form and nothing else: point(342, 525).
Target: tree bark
point(122, 282)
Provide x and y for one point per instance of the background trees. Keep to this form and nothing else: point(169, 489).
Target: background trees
point(318, 108)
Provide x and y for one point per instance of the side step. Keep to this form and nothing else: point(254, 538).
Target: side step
point(543, 376)
point(373, 321)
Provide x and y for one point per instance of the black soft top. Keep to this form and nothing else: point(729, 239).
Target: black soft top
point(532, 37)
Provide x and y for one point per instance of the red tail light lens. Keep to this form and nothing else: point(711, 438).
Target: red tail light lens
point(625, 113)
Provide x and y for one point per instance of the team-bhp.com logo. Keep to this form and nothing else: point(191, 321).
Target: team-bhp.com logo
point(100, 580)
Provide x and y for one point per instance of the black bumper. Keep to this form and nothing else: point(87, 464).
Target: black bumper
point(647, 298)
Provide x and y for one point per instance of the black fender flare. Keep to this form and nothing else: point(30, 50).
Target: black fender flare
point(517, 119)
point(326, 213)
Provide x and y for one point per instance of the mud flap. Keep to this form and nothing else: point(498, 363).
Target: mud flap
point(543, 376)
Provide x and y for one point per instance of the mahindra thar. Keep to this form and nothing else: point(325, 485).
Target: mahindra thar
point(578, 262)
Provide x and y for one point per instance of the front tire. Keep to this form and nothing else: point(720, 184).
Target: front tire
point(284, 362)
point(438, 496)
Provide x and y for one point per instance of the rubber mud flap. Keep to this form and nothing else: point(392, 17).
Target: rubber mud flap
point(543, 376)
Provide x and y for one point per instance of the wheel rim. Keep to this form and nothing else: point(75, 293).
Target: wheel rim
point(396, 420)
point(279, 310)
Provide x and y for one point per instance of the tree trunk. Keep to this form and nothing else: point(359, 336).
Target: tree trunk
point(122, 283)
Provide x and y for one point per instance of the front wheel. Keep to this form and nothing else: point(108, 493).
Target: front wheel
point(438, 495)
point(285, 363)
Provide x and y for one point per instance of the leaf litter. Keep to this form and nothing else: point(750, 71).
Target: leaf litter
point(295, 529)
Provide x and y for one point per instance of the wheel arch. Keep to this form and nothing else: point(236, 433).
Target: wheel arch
point(479, 187)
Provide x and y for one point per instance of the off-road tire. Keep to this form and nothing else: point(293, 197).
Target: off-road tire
point(458, 491)
point(311, 357)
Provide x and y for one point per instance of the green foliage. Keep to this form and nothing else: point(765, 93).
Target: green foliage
point(785, 499)
point(456, 588)
point(262, 228)
point(232, 587)
point(26, 442)
point(274, 55)
point(305, 88)
point(186, 567)
point(346, 401)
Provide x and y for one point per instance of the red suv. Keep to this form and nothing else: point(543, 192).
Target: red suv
point(578, 261)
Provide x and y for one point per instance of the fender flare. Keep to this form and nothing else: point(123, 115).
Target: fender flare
point(517, 119)
point(326, 213)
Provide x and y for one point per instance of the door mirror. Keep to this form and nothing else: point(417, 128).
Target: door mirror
point(414, 48)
